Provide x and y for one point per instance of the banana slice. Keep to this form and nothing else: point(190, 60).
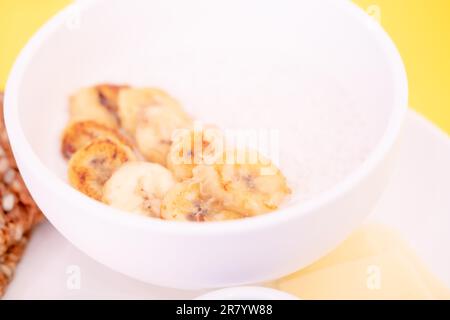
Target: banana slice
point(91, 166)
point(247, 183)
point(186, 202)
point(97, 103)
point(138, 187)
point(189, 148)
point(132, 100)
point(108, 95)
point(80, 133)
point(154, 131)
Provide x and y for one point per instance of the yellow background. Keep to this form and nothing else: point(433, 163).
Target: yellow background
point(420, 28)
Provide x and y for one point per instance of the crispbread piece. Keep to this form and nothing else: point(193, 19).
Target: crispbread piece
point(9, 261)
point(18, 211)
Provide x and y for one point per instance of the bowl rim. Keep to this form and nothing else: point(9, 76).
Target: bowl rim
point(60, 188)
point(245, 292)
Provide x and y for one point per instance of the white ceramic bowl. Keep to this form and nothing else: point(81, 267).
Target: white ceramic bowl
point(247, 293)
point(208, 53)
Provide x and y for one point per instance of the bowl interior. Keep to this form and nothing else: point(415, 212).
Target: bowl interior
point(308, 73)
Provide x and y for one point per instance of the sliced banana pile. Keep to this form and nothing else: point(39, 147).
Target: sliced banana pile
point(91, 166)
point(186, 201)
point(132, 100)
point(137, 150)
point(250, 186)
point(138, 186)
point(79, 134)
point(99, 103)
point(192, 147)
point(154, 129)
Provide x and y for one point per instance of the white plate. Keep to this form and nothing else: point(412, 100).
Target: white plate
point(416, 202)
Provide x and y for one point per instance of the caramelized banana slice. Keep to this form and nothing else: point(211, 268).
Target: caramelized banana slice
point(80, 133)
point(132, 100)
point(189, 148)
point(91, 166)
point(186, 202)
point(154, 131)
point(97, 103)
point(247, 183)
point(108, 95)
point(138, 187)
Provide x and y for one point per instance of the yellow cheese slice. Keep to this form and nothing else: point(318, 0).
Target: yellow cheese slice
point(373, 263)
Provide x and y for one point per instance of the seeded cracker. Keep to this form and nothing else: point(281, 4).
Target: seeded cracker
point(9, 261)
point(18, 212)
